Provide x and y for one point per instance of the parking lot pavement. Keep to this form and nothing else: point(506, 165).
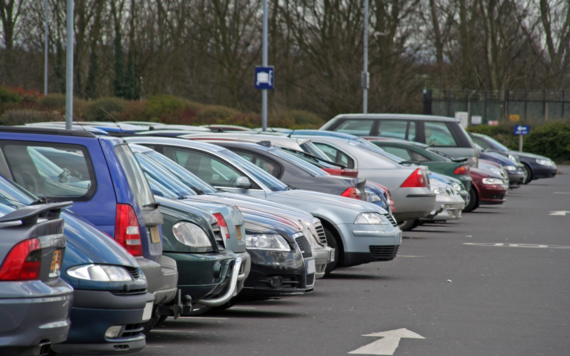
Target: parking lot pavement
point(494, 283)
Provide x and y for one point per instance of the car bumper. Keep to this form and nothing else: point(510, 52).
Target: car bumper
point(364, 243)
point(492, 194)
point(323, 256)
point(544, 172)
point(43, 315)
point(516, 178)
point(413, 203)
point(449, 208)
point(161, 276)
point(277, 273)
point(93, 312)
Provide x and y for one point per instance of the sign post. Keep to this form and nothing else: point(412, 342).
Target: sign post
point(264, 64)
point(520, 131)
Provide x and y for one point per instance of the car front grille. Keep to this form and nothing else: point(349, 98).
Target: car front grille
point(218, 236)
point(134, 272)
point(129, 292)
point(384, 253)
point(320, 232)
point(304, 246)
point(310, 279)
point(132, 330)
point(391, 219)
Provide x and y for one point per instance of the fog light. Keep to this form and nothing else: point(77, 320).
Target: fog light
point(113, 332)
point(275, 282)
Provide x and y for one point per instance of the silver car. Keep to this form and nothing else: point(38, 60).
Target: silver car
point(360, 232)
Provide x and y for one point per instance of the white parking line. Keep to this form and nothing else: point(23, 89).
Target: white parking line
point(201, 318)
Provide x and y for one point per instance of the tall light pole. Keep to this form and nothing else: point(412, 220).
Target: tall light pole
point(46, 49)
point(69, 68)
point(365, 74)
point(264, 64)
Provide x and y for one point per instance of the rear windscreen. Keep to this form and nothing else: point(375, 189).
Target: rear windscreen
point(137, 181)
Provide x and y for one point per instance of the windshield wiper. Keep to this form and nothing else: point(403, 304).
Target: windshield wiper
point(40, 200)
point(151, 205)
point(409, 162)
point(220, 190)
point(291, 187)
point(198, 190)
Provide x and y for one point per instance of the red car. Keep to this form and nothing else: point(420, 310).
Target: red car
point(487, 189)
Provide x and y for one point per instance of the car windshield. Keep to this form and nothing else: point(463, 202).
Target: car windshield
point(311, 148)
point(497, 144)
point(137, 182)
point(185, 176)
point(377, 150)
point(13, 195)
point(164, 177)
point(307, 167)
point(267, 179)
point(321, 163)
point(439, 153)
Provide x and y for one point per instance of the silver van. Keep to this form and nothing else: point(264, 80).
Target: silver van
point(442, 133)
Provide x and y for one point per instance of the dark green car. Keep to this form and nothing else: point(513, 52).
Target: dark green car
point(207, 273)
point(427, 156)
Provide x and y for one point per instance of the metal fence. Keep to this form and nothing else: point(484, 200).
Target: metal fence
point(500, 106)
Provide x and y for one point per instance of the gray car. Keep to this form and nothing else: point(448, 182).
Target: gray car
point(34, 301)
point(437, 131)
point(360, 232)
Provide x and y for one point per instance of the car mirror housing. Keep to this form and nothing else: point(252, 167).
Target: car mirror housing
point(243, 182)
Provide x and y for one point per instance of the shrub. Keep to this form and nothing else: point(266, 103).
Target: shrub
point(19, 117)
point(303, 119)
point(134, 111)
point(114, 106)
point(52, 101)
point(8, 96)
point(216, 114)
point(164, 105)
point(551, 140)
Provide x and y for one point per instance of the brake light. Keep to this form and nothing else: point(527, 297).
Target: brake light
point(223, 225)
point(461, 170)
point(352, 193)
point(23, 262)
point(127, 231)
point(415, 180)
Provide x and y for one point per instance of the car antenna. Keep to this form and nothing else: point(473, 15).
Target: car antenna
point(291, 133)
point(78, 124)
point(115, 121)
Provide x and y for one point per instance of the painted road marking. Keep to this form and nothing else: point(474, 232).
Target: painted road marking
point(561, 192)
point(515, 245)
point(410, 256)
point(559, 213)
point(388, 344)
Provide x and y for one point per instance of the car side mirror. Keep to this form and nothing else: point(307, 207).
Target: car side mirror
point(243, 182)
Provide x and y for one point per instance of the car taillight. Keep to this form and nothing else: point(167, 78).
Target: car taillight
point(461, 170)
point(23, 262)
point(415, 180)
point(351, 193)
point(127, 231)
point(223, 225)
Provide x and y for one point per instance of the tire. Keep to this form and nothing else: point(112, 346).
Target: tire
point(331, 241)
point(408, 225)
point(528, 174)
point(154, 321)
point(473, 201)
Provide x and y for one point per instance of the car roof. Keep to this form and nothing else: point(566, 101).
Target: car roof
point(46, 131)
point(175, 142)
point(403, 142)
point(395, 116)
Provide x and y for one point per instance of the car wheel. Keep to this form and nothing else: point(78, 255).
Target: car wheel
point(528, 174)
point(154, 321)
point(473, 201)
point(331, 241)
point(408, 225)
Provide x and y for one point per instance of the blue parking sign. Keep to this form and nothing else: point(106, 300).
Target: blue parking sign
point(521, 130)
point(264, 77)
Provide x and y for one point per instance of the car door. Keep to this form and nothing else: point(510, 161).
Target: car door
point(214, 170)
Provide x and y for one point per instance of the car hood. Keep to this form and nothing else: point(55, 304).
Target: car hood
point(231, 214)
point(527, 155)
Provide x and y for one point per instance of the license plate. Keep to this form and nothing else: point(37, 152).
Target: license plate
point(238, 228)
point(311, 267)
point(154, 235)
point(147, 312)
point(55, 268)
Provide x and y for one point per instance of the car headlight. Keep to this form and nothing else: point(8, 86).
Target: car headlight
point(101, 273)
point(510, 168)
point(457, 187)
point(191, 235)
point(439, 191)
point(513, 158)
point(493, 181)
point(371, 218)
point(273, 242)
point(545, 162)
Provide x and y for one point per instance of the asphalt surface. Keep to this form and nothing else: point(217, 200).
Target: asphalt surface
point(484, 285)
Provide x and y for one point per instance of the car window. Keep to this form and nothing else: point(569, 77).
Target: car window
point(299, 162)
point(420, 157)
point(393, 128)
point(57, 172)
point(355, 127)
point(438, 134)
point(479, 141)
point(135, 177)
point(397, 151)
point(268, 166)
point(411, 131)
point(335, 154)
point(246, 155)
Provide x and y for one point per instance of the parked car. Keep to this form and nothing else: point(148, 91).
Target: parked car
point(101, 176)
point(448, 203)
point(170, 181)
point(488, 188)
point(359, 232)
point(34, 301)
point(225, 128)
point(426, 156)
point(515, 172)
point(110, 299)
point(435, 131)
point(536, 166)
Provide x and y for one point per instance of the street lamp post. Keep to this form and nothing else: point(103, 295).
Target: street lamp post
point(264, 64)
point(365, 74)
point(69, 68)
point(46, 48)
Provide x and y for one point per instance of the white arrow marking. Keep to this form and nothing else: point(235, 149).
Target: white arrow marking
point(388, 344)
point(559, 213)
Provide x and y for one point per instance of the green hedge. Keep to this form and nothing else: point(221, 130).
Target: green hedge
point(93, 110)
point(7, 96)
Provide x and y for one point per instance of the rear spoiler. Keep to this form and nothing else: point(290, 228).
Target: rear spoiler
point(460, 159)
point(29, 215)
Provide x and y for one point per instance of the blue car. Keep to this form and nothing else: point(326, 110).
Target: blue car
point(102, 177)
point(110, 299)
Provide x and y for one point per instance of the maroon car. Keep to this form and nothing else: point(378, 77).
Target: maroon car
point(488, 188)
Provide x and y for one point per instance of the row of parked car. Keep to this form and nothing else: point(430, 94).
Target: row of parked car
point(109, 228)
